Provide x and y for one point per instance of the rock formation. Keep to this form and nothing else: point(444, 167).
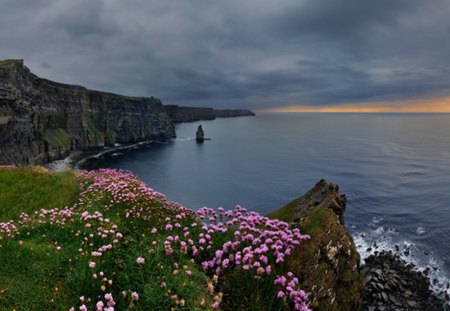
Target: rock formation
point(200, 135)
point(328, 263)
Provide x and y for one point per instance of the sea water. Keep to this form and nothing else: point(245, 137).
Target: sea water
point(393, 168)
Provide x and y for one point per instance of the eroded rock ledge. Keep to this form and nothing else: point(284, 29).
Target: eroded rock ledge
point(328, 263)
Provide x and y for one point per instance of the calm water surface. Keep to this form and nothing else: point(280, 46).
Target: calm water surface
point(394, 169)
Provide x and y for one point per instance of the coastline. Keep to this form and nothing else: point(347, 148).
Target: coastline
point(77, 159)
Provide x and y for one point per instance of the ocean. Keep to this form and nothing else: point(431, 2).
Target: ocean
point(393, 168)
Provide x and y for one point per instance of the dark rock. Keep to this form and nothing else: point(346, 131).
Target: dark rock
point(403, 288)
point(199, 135)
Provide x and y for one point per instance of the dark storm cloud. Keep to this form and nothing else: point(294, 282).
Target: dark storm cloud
point(250, 53)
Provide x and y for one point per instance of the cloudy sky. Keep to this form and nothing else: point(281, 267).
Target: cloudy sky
point(318, 55)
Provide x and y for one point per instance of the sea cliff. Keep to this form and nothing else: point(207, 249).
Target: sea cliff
point(42, 121)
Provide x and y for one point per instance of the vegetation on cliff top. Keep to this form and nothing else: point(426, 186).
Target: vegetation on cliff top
point(8, 62)
point(103, 240)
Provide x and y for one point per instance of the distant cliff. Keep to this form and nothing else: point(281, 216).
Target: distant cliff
point(42, 120)
point(190, 114)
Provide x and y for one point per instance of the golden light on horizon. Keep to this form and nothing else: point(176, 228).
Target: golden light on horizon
point(441, 105)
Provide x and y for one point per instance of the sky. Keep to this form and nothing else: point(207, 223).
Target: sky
point(284, 55)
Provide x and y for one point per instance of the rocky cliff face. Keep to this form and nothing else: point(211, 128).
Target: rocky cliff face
point(41, 120)
point(190, 114)
point(328, 263)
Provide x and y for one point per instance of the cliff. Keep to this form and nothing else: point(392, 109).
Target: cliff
point(328, 263)
point(190, 114)
point(231, 113)
point(42, 120)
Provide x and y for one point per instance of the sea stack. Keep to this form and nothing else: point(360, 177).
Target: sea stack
point(200, 136)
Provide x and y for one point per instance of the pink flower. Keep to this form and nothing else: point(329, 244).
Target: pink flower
point(280, 294)
point(134, 296)
point(91, 264)
point(215, 305)
point(140, 260)
point(83, 308)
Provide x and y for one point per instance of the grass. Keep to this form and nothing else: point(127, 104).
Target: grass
point(57, 137)
point(286, 212)
point(28, 190)
point(8, 62)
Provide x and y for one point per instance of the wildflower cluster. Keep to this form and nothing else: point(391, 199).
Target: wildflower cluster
point(122, 240)
point(257, 245)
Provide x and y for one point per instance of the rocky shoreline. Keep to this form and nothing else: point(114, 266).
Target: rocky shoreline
point(391, 284)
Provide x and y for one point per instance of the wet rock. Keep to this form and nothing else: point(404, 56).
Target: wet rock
point(403, 287)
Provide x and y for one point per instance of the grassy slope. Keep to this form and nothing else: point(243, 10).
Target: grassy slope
point(36, 275)
point(29, 190)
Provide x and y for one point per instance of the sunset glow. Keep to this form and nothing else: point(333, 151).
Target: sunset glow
point(441, 105)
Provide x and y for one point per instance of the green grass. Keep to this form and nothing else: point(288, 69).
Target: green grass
point(316, 221)
point(8, 62)
point(28, 190)
point(286, 212)
point(57, 137)
point(35, 275)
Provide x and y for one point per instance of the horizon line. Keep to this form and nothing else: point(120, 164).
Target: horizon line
point(436, 105)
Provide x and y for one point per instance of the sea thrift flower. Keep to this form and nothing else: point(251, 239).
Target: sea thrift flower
point(134, 296)
point(140, 260)
point(91, 264)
